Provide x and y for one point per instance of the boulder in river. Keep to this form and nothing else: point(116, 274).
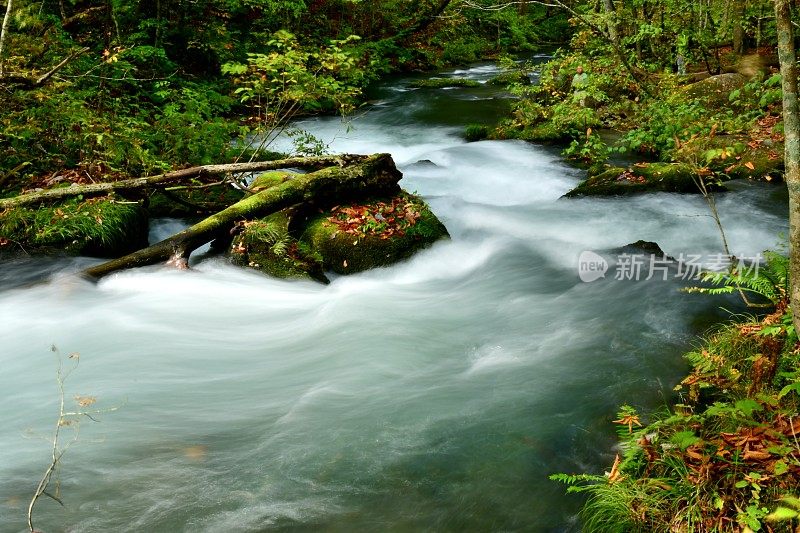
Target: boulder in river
point(444, 83)
point(374, 233)
point(642, 177)
point(267, 245)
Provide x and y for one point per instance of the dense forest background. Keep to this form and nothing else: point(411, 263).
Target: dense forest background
point(134, 87)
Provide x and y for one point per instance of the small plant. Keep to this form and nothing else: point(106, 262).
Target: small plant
point(68, 419)
point(476, 132)
point(770, 281)
point(589, 150)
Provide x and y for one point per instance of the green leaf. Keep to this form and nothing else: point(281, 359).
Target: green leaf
point(748, 406)
point(789, 388)
point(782, 513)
point(684, 439)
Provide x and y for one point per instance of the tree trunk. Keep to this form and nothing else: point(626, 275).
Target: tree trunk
point(791, 124)
point(611, 13)
point(4, 36)
point(373, 175)
point(739, 10)
point(162, 180)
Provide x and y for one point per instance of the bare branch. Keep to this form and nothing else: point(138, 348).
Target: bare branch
point(46, 76)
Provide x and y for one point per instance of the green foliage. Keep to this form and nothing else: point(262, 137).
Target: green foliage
point(589, 150)
point(475, 132)
point(290, 78)
point(97, 226)
point(770, 280)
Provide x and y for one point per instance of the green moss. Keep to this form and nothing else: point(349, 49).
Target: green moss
point(267, 245)
point(270, 179)
point(545, 132)
point(345, 252)
point(98, 226)
point(736, 156)
point(715, 90)
point(475, 132)
point(442, 83)
point(645, 177)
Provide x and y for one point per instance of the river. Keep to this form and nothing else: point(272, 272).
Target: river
point(437, 394)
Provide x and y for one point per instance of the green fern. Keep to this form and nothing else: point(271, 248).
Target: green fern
point(769, 280)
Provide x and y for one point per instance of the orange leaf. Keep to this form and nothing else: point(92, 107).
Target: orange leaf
point(750, 165)
point(614, 475)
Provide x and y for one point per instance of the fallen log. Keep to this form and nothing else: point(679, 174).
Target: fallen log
point(169, 178)
point(370, 175)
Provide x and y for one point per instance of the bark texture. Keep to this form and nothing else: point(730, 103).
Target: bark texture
point(791, 120)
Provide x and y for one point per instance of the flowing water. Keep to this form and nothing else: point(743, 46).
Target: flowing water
point(437, 394)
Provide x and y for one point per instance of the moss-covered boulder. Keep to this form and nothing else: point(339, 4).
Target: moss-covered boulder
point(737, 156)
point(444, 83)
point(375, 233)
point(268, 246)
point(715, 90)
point(642, 177)
point(544, 132)
point(102, 227)
point(476, 132)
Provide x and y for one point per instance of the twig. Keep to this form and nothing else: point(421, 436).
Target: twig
point(65, 419)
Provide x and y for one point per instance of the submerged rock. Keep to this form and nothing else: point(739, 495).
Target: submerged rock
point(102, 227)
point(642, 177)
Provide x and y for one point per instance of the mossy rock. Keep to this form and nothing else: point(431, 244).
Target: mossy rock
point(545, 132)
point(378, 232)
point(267, 245)
point(715, 90)
point(510, 77)
point(192, 202)
point(764, 162)
point(443, 83)
point(742, 159)
point(643, 177)
point(100, 227)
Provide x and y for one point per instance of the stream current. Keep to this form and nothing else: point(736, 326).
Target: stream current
point(437, 394)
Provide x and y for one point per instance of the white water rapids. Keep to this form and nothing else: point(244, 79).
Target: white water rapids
point(436, 394)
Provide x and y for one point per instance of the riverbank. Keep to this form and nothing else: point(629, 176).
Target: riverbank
point(724, 457)
point(697, 127)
